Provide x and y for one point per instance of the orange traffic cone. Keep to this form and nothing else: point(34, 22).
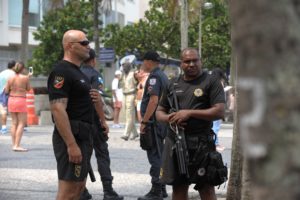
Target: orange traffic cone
point(32, 119)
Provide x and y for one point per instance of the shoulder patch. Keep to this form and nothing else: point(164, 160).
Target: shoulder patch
point(152, 81)
point(58, 82)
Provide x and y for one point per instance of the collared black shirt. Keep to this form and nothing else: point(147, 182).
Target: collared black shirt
point(67, 81)
point(155, 84)
point(200, 93)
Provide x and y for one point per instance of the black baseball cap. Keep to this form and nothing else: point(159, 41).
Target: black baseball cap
point(92, 54)
point(152, 55)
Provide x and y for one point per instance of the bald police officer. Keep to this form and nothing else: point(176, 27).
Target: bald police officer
point(71, 103)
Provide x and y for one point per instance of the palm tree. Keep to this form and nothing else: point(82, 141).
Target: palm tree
point(24, 31)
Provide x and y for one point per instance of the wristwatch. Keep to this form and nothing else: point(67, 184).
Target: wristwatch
point(142, 122)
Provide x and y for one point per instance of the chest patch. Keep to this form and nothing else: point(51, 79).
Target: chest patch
point(198, 92)
point(152, 81)
point(58, 82)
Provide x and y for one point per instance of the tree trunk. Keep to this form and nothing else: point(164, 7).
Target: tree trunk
point(25, 30)
point(266, 40)
point(96, 29)
point(200, 28)
point(55, 4)
point(234, 189)
point(184, 24)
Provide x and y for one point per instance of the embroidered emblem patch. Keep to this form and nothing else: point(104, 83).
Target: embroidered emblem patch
point(58, 82)
point(150, 88)
point(77, 170)
point(152, 81)
point(198, 92)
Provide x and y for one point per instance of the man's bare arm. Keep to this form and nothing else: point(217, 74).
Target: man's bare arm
point(61, 120)
point(96, 97)
point(150, 108)
point(161, 114)
point(210, 114)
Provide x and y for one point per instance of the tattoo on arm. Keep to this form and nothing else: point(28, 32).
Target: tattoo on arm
point(61, 100)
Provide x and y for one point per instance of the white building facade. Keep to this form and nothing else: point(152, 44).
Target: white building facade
point(124, 12)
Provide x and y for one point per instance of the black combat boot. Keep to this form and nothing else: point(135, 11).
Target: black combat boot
point(164, 191)
point(109, 193)
point(154, 194)
point(85, 195)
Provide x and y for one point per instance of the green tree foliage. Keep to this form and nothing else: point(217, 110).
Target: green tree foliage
point(160, 30)
point(74, 15)
point(216, 49)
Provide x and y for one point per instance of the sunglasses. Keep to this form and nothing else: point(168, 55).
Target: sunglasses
point(83, 43)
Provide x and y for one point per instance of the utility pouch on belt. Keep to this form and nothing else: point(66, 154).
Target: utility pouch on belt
point(81, 130)
point(146, 138)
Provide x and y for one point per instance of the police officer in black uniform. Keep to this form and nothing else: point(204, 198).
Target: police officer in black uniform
point(100, 136)
point(154, 87)
point(71, 103)
point(201, 100)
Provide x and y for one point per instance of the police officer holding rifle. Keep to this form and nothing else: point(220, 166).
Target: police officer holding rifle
point(200, 99)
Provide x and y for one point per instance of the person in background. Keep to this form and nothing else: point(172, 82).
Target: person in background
point(154, 87)
point(129, 83)
point(17, 87)
point(220, 75)
point(141, 76)
point(117, 98)
point(4, 76)
point(100, 137)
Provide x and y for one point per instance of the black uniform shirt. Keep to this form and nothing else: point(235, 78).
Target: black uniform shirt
point(92, 74)
point(197, 94)
point(155, 84)
point(67, 81)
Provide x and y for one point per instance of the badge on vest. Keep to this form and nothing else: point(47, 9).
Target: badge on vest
point(198, 92)
point(58, 82)
point(152, 81)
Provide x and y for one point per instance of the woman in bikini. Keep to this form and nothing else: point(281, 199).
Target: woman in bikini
point(17, 87)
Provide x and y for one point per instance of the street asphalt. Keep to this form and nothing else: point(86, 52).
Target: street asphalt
point(32, 175)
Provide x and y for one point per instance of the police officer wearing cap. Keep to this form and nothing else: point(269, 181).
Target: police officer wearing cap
point(71, 103)
point(155, 84)
point(100, 136)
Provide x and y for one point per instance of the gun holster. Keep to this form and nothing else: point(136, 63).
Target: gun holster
point(146, 138)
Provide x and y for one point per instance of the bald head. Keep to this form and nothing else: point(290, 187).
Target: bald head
point(187, 50)
point(72, 36)
point(76, 46)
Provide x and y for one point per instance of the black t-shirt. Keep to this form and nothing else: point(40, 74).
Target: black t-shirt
point(93, 76)
point(67, 81)
point(155, 84)
point(200, 93)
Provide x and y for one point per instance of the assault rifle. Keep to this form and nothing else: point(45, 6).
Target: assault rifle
point(180, 142)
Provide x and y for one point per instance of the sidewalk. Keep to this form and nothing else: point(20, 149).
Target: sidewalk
point(32, 175)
